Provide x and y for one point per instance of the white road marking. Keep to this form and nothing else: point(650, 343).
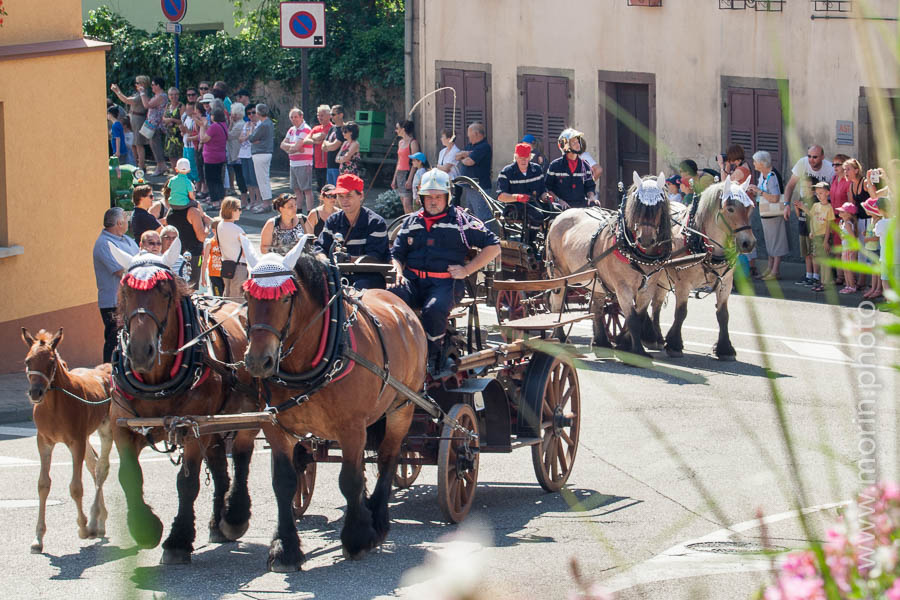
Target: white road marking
point(26, 503)
point(11, 461)
point(796, 357)
point(15, 461)
point(680, 562)
point(17, 431)
point(814, 350)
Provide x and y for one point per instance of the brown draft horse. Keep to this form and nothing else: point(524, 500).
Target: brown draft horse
point(62, 418)
point(721, 220)
point(155, 308)
point(580, 239)
point(290, 313)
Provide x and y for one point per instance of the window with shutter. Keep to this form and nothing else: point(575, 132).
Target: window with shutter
point(471, 102)
point(546, 110)
point(755, 122)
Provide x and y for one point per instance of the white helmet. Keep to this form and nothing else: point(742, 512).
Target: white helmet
point(434, 181)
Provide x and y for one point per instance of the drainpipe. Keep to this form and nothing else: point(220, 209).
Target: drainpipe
point(407, 55)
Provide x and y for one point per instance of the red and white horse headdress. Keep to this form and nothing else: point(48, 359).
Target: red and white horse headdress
point(145, 269)
point(271, 275)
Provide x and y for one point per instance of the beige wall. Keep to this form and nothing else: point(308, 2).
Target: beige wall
point(689, 51)
point(33, 21)
point(147, 14)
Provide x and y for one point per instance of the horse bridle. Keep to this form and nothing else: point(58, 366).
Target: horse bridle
point(160, 325)
point(30, 372)
point(282, 333)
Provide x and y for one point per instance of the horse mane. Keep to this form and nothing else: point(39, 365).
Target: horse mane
point(177, 286)
point(636, 211)
point(313, 275)
point(709, 203)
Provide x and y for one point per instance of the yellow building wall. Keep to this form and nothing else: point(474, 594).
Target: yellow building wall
point(33, 21)
point(57, 179)
point(687, 46)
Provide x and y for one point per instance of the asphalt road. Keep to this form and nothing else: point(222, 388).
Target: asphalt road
point(687, 452)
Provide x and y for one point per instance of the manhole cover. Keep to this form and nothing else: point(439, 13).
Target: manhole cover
point(735, 548)
point(26, 503)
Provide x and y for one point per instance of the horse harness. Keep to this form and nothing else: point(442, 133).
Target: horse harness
point(626, 248)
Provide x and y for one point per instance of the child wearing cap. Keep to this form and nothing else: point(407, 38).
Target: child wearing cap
point(180, 189)
point(847, 214)
point(821, 216)
point(420, 166)
point(673, 185)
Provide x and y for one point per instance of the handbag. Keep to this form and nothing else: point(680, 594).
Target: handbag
point(148, 129)
point(769, 209)
point(229, 267)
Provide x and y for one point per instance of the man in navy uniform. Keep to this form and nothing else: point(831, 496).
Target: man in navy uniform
point(569, 177)
point(429, 255)
point(521, 186)
point(365, 233)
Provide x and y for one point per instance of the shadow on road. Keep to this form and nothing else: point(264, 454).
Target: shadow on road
point(72, 566)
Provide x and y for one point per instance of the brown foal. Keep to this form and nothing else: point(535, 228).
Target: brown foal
point(62, 418)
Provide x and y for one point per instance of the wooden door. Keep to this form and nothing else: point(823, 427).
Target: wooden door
point(755, 122)
point(632, 123)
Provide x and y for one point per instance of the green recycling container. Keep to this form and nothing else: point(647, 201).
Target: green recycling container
point(371, 127)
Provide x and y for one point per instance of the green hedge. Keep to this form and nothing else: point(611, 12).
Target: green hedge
point(365, 44)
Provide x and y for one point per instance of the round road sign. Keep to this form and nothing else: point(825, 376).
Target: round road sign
point(174, 10)
point(302, 24)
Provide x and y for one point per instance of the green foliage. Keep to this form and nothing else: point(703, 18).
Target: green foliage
point(364, 44)
point(388, 205)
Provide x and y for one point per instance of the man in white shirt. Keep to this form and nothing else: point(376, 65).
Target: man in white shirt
point(808, 171)
point(447, 161)
point(300, 154)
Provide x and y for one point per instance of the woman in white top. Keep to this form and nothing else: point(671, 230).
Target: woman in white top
point(234, 147)
point(229, 235)
point(447, 161)
point(246, 157)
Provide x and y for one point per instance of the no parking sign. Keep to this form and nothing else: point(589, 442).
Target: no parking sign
point(302, 24)
point(174, 10)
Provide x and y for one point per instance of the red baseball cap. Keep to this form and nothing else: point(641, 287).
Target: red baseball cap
point(523, 149)
point(348, 182)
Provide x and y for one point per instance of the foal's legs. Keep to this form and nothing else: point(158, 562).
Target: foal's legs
point(178, 546)
point(236, 514)
point(76, 488)
point(396, 429)
point(45, 450)
point(144, 526)
point(100, 471)
point(285, 555)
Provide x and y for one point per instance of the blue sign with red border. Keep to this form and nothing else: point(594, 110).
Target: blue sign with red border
point(302, 24)
point(174, 10)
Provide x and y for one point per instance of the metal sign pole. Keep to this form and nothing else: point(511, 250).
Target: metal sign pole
point(177, 73)
point(304, 83)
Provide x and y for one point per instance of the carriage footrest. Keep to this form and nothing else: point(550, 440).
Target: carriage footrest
point(546, 321)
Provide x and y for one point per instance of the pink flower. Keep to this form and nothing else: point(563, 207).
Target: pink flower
point(894, 592)
point(595, 592)
point(800, 564)
point(796, 588)
point(891, 491)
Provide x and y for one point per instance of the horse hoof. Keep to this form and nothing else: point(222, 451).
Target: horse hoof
point(175, 556)
point(83, 533)
point(727, 357)
point(674, 353)
point(653, 346)
point(216, 536)
point(37, 547)
point(359, 555)
point(233, 532)
point(276, 566)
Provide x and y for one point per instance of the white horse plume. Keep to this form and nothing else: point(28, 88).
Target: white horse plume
point(649, 192)
point(272, 275)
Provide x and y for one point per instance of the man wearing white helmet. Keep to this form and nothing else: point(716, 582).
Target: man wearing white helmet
point(569, 177)
point(429, 255)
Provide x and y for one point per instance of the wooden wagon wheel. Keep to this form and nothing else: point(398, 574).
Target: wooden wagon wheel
point(509, 305)
point(406, 473)
point(554, 456)
point(613, 320)
point(306, 483)
point(457, 466)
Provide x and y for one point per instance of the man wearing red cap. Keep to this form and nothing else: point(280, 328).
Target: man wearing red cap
point(521, 185)
point(365, 233)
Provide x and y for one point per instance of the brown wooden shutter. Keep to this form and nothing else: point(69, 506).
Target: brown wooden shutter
point(536, 103)
point(768, 124)
point(475, 104)
point(557, 113)
point(445, 117)
point(741, 113)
